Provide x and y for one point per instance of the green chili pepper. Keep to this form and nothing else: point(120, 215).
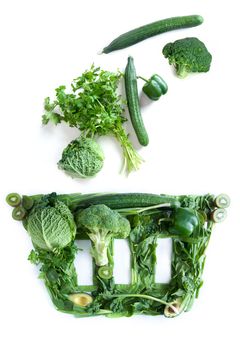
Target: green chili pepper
point(184, 222)
point(155, 87)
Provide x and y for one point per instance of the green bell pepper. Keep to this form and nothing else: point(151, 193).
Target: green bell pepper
point(155, 87)
point(184, 222)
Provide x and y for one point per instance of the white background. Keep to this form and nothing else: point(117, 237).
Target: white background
point(193, 149)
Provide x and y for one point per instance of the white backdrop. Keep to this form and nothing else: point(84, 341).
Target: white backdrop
point(193, 149)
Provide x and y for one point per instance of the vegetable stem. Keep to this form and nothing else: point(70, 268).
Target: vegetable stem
point(144, 296)
point(146, 80)
point(134, 211)
point(132, 160)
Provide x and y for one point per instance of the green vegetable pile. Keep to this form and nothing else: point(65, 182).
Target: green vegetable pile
point(95, 108)
point(54, 222)
point(93, 105)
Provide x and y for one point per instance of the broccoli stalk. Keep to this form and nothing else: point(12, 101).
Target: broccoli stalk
point(101, 240)
point(102, 225)
point(188, 55)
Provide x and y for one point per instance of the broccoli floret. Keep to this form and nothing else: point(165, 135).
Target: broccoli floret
point(188, 55)
point(101, 225)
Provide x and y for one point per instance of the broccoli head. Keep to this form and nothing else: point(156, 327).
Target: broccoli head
point(101, 225)
point(188, 55)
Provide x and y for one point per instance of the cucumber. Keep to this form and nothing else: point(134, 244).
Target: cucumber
point(77, 201)
point(127, 200)
point(133, 102)
point(144, 32)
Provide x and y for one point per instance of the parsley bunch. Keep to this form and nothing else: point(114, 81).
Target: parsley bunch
point(95, 108)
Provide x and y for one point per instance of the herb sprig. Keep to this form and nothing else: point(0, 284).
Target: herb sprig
point(94, 107)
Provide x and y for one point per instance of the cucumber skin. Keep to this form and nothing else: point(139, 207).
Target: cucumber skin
point(76, 201)
point(128, 200)
point(133, 103)
point(147, 31)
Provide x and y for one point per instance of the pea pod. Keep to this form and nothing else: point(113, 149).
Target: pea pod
point(133, 103)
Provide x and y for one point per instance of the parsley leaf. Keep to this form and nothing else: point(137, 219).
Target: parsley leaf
point(95, 108)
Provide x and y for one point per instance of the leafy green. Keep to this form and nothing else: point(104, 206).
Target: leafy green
point(82, 158)
point(188, 261)
point(51, 225)
point(58, 273)
point(95, 108)
point(143, 241)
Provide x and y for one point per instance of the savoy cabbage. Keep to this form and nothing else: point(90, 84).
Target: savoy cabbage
point(51, 226)
point(82, 158)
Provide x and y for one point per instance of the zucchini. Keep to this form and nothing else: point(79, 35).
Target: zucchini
point(144, 32)
point(133, 102)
